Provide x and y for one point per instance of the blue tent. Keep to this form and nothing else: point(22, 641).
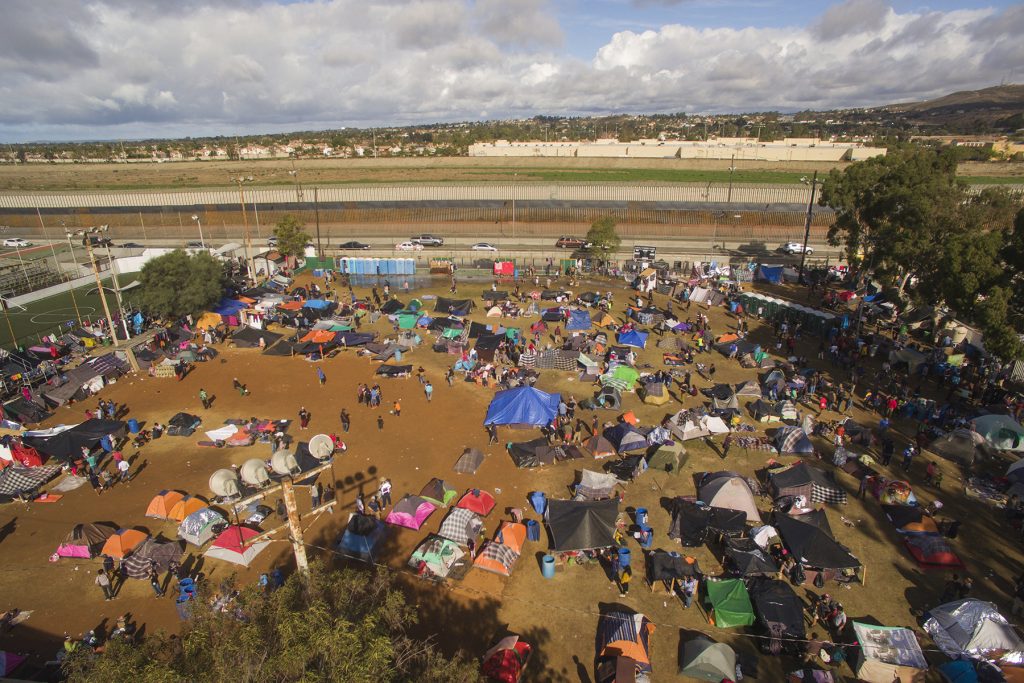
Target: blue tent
point(316, 304)
point(633, 338)
point(229, 307)
point(362, 534)
point(523, 405)
point(578, 320)
point(772, 274)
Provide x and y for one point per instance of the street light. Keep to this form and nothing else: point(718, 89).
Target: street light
point(245, 218)
point(200, 223)
point(807, 225)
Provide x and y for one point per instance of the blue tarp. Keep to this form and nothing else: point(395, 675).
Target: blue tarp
point(316, 304)
point(524, 405)
point(578, 320)
point(771, 274)
point(362, 546)
point(229, 307)
point(633, 338)
point(959, 671)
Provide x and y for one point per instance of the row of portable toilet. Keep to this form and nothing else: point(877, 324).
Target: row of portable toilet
point(377, 266)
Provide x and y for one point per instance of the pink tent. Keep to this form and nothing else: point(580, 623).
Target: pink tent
point(9, 662)
point(410, 512)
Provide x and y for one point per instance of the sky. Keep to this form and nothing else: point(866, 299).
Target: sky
point(129, 69)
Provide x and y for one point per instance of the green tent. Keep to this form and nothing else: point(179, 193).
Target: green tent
point(407, 321)
point(415, 305)
point(668, 458)
point(451, 333)
point(731, 603)
point(439, 554)
point(626, 374)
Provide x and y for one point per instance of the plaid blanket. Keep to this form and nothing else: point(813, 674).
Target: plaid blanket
point(16, 479)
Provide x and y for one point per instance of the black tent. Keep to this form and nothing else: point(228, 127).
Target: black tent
point(902, 515)
point(554, 315)
point(628, 468)
point(394, 370)
point(803, 480)
point(183, 424)
point(487, 344)
point(67, 445)
point(689, 522)
point(761, 410)
point(745, 558)
point(22, 411)
point(723, 392)
point(810, 539)
point(460, 307)
point(533, 453)
point(352, 338)
point(392, 306)
point(779, 610)
point(249, 337)
point(582, 525)
point(442, 324)
point(665, 566)
point(551, 294)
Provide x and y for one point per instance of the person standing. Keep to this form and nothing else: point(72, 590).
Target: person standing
point(471, 544)
point(428, 390)
point(726, 445)
point(398, 408)
point(688, 589)
point(111, 410)
point(385, 493)
point(320, 376)
point(908, 457)
point(154, 581)
point(103, 581)
point(125, 470)
point(624, 578)
point(346, 420)
point(204, 398)
point(304, 418)
point(380, 423)
point(492, 433)
point(360, 504)
point(315, 491)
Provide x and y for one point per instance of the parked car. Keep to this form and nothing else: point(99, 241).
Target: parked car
point(484, 246)
point(567, 242)
point(272, 242)
point(353, 245)
point(194, 244)
point(132, 245)
point(16, 242)
point(795, 248)
point(408, 246)
point(427, 240)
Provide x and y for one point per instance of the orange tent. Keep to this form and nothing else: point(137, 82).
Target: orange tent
point(500, 555)
point(726, 338)
point(319, 336)
point(631, 418)
point(160, 506)
point(291, 305)
point(123, 542)
point(185, 507)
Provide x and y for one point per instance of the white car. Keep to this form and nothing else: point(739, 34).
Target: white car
point(16, 242)
point(483, 246)
point(795, 248)
point(408, 246)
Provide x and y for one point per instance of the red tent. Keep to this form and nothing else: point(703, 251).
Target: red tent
point(504, 269)
point(27, 456)
point(505, 661)
point(478, 501)
point(932, 552)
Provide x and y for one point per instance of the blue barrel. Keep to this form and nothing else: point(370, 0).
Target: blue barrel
point(547, 567)
point(133, 426)
point(646, 536)
point(641, 516)
point(733, 305)
point(398, 355)
point(318, 272)
point(532, 530)
point(106, 445)
point(539, 502)
point(624, 557)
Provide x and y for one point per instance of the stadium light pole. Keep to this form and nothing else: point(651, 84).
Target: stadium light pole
point(199, 222)
point(245, 219)
point(71, 248)
point(807, 224)
point(732, 167)
point(87, 234)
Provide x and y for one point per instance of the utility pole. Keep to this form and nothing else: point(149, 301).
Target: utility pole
point(295, 528)
point(245, 219)
point(99, 283)
point(316, 211)
point(10, 328)
point(807, 227)
point(71, 248)
point(732, 167)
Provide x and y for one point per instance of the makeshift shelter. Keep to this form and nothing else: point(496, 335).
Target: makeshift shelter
point(475, 500)
point(21, 454)
point(809, 538)
point(394, 371)
point(122, 542)
point(582, 525)
point(461, 525)
point(459, 307)
point(669, 567)
point(17, 480)
point(182, 424)
point(1000, 432)
point(887, 654)
point(162, 503)
point(634, 338)
point(410, 512)
point(780, 612)
point(931, 551)
point(655, 393)
point(504, 663)
point(910, 519)
point(748, 389)
point(744, 557)
point(599, 446)
point(66, 445)
point(960, 445)
point(235, 544)
point(625, 437)
point(668, 457)
point(469, 462)
point(793, 440)
point(438, 492)
point(436, 555)
point(722, 397)
point(812, 484)
point(533, 453)
point(361, 537)
point(910, 357)
point(522, 406)
point(9, 662)
point(730, 603)
point(85, 540)
point(249, 338)
point(594, 486)
point(578, 320)
point(151, 554)
point(501, 554)
point(24, 412)
point(974, 629)
point(730, 491)
point(201, 526)
point(707, 661)
point(764, 411)
point(623, 647)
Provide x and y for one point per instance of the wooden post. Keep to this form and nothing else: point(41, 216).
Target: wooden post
point(298, 547)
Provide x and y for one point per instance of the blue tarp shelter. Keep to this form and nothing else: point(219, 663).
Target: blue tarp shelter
point(229, 307)
point(316, 304)
point(523, 405)
point(633, 338)
point(578, 320)
point(772, 274)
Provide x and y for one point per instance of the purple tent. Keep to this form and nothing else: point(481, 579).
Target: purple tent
point(410, 512)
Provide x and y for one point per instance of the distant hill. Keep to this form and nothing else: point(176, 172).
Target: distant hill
point(1000, 106)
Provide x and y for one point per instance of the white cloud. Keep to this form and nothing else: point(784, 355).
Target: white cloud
point(105, 68)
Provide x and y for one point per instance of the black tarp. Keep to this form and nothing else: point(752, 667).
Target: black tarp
point(352, 338)
point(551, 294)
point(727, 521)
point(775, 602)
point(282, 348)
point(249, 337)
point(495, 296)
point(723, 392)
point(460, 307)
point(394, 370)
point(442, 324)
point(665, 566)
point(902, 515)
point(182, 424)
point(553, 315)
point(745, 558)
point(487, 344)
point(67, 445)
point(22, 411)
point(689, 522)
point(532, 453)
point(362, 525)
point(810, 540)
point(582, 525)
point(392, 306)
point(476, 329)
point(626, 469)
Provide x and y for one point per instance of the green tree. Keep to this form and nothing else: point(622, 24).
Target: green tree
point(179, 284)
point(346, 625)
point(291, 236)
point(602, 237)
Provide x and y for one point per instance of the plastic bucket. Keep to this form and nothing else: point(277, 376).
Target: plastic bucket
point(624, 557)
point(532, 530)
point(547, 567)
point(641, 516)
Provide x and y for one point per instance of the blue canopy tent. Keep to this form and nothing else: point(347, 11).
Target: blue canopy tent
point(578, 320)
point(772, 274)
point(523, 405)
point(633, 338)
point(317, 304)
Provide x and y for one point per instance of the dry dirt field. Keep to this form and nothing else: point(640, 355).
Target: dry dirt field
point(559, 616)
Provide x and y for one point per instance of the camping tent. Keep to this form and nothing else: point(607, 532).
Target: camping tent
point(437, 555)
point(888, 653)
point(200, 526)
point(361, 536)
point(185, 507)
point(722, 397)
point(960, 445)
point(438, 492)
point(1001, 432)
point(809, 538)
point(578, 320)
point(623, 638)
point(162, 503)
point(803, 480)
point(730, 603)
point(533, 453)
point(461, 525)
point(151, 554)
point(609, 397)
point(779, 611)
point(625, 437)
point(910, 519)
point(973, 628)
point(655, 393)
point(500, 555)
point(235, 544)
point(599, 446)
point(634, 338)
point(748, 389)
point(793, 440)
point(932, 551)
point(85, 540)
point(522, 406)
point(730, 491)
point(410, 512)
point(122, 542)
point(594, 486)
point(469, 462)
point(582, 525)
point(475, 500)
point(707, 661)
point(667, 458)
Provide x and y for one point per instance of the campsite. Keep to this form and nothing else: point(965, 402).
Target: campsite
point(656, 479)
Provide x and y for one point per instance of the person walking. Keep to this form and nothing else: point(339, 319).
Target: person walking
point(624, 578)
point(239, 387)
point(304, 418)
point(320, 376)
point(360, 504)
point(428, 391)
point(346, 420)
point(154, 581)
point(492, 433)
point(385, 493)
point(908, 457)
point(398, 408)
point(103, 581)
point(124, 468)
point(380, 423)
point(204, 398)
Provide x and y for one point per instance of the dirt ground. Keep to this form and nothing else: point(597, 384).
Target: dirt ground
point(559, 615)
